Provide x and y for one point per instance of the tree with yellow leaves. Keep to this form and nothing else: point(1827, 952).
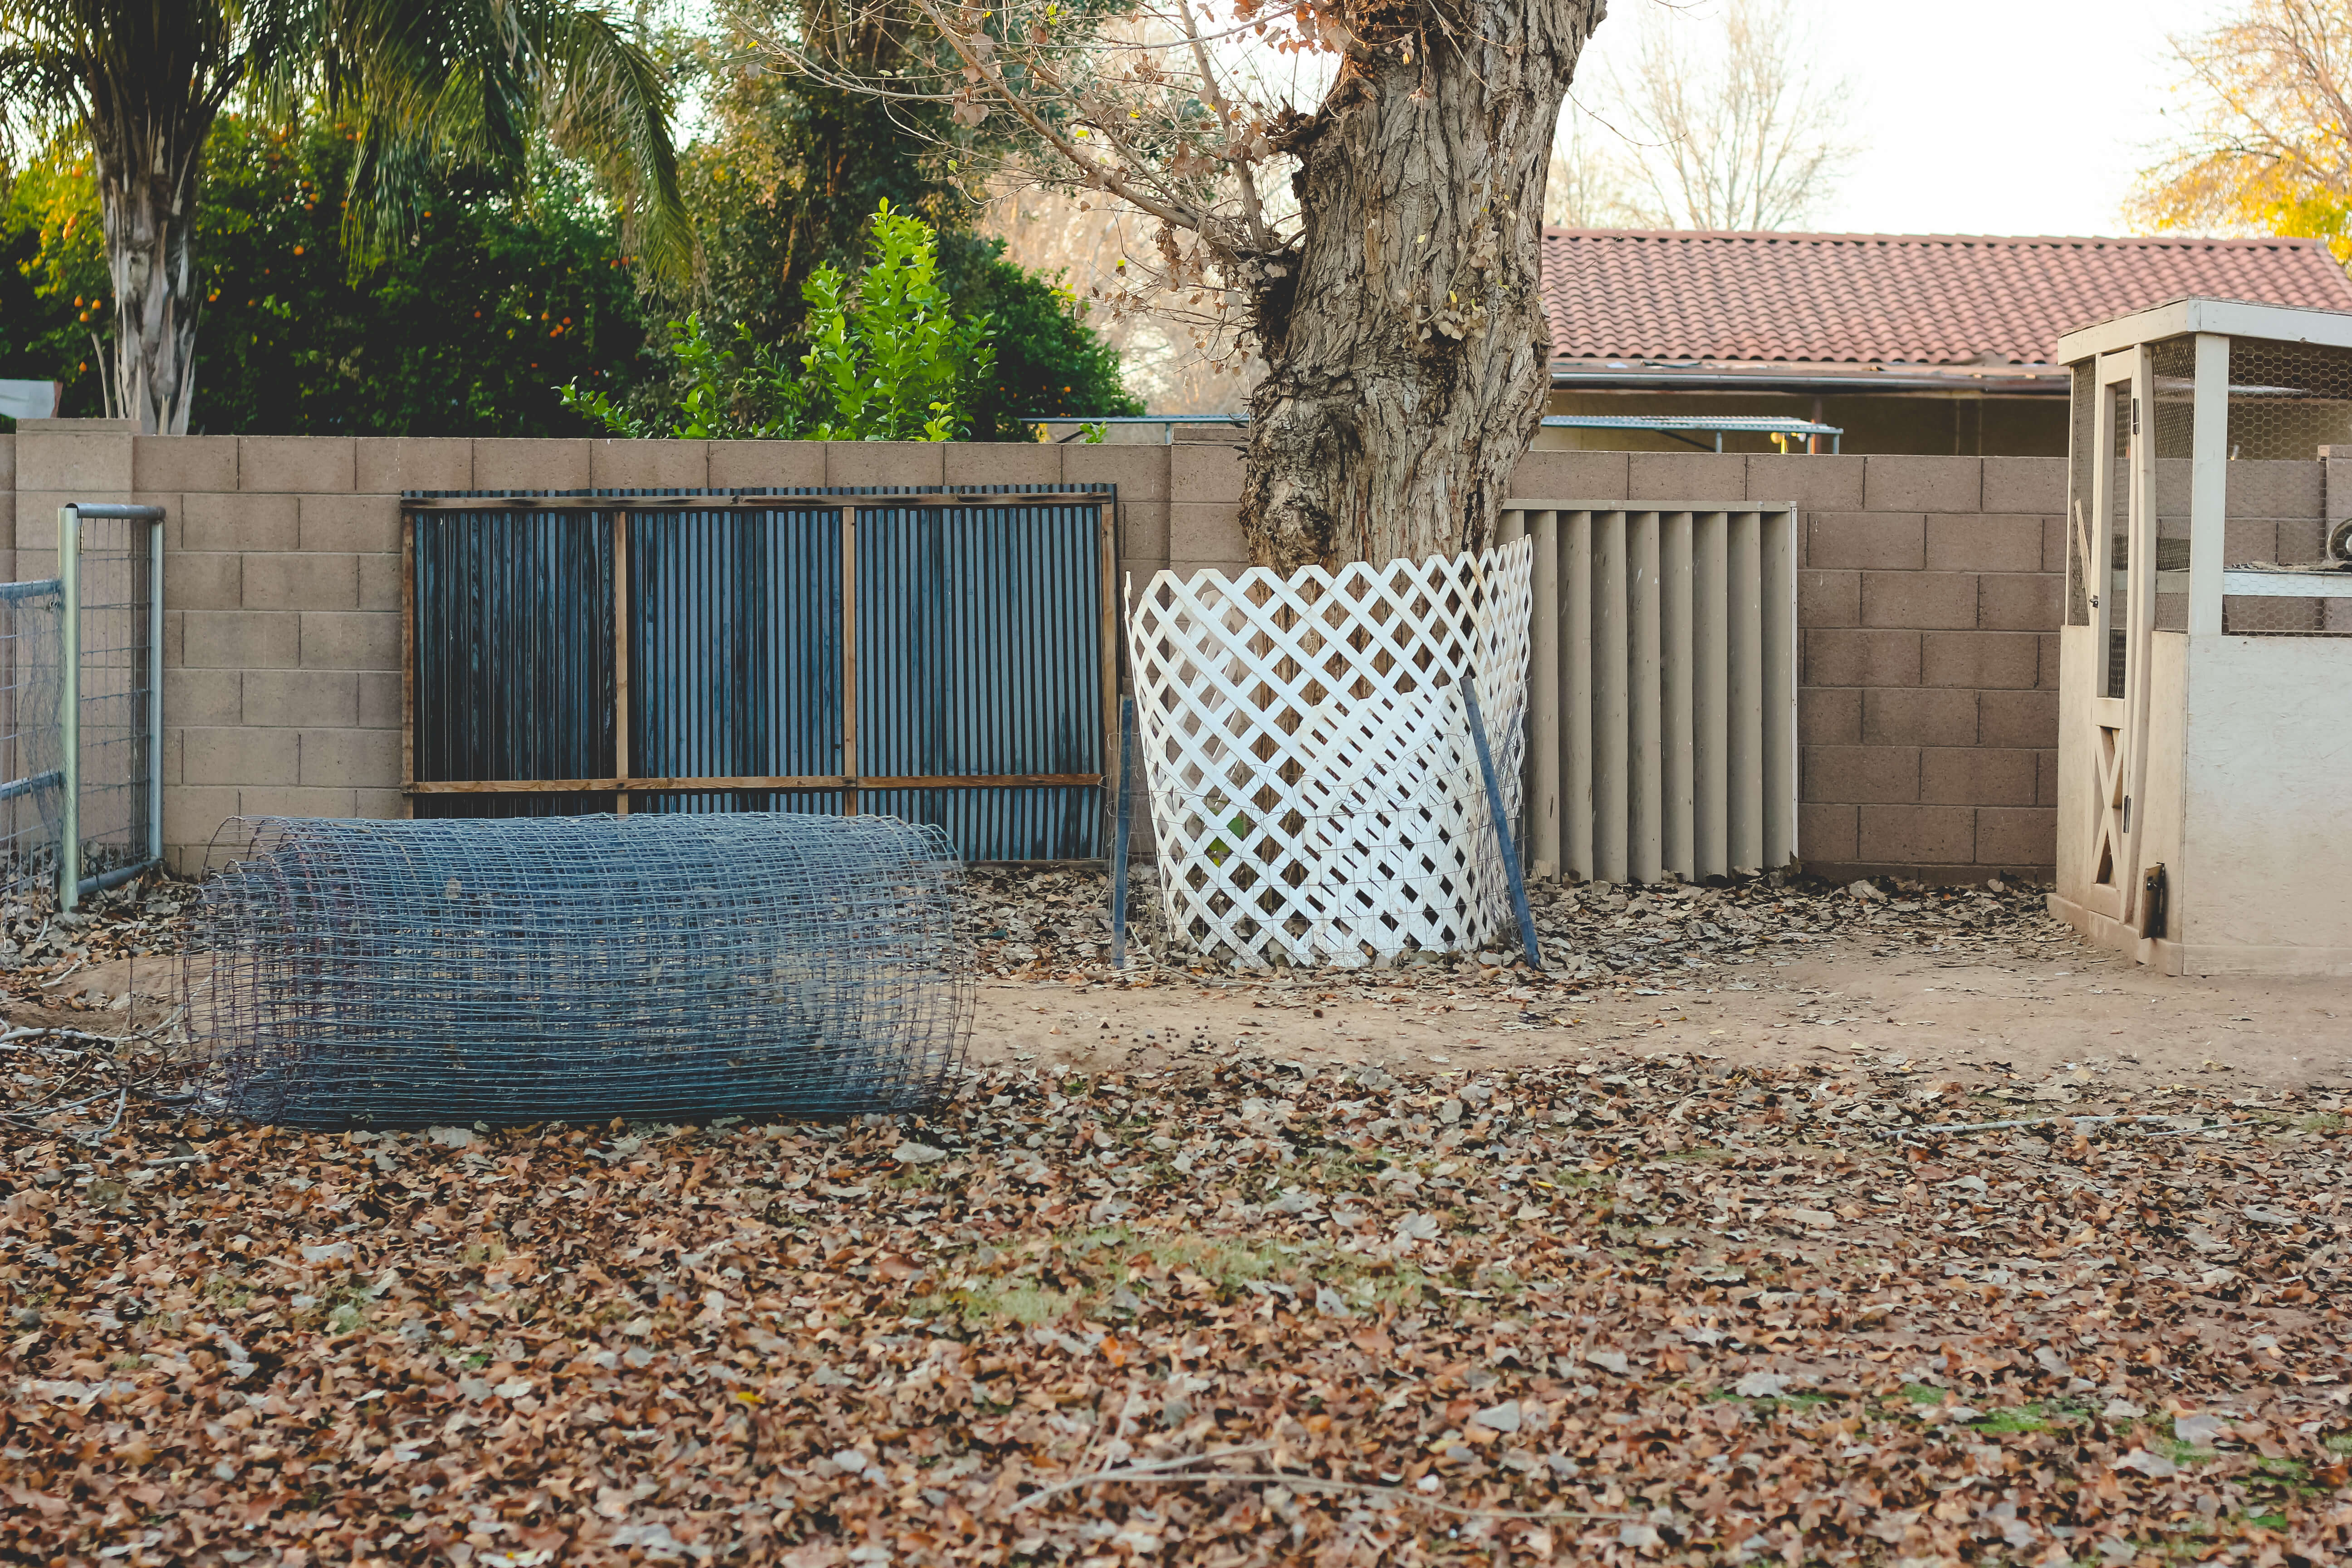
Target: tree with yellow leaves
point(2270, 150)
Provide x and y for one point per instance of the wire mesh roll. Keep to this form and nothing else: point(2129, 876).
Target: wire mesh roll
point(658, 967)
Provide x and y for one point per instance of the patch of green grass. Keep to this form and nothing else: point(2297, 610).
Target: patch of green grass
point(1083, 1270)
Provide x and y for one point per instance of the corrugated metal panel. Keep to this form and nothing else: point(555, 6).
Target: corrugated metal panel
point(735, 665)
point(513, 675)
point(979, 652)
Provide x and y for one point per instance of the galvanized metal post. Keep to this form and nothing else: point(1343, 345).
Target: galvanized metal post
point(69, 705)
point(155, 689)
point(1468, 681)
point(1119, 835)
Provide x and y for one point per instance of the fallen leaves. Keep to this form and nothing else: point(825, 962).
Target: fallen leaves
point(1263, 1314)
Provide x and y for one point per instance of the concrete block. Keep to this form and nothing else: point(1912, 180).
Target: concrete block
point(1983, 542)
point(379, 700)
point(1986, 660)
point(1916, 835)
point(2053, 545)
point(203, 697)
point(1829, 598)
point(1205, 533)
point(1836, 657)
point(183, 462)
point(1144, 532)
point(1828, 716)
point(240, 756)
point(379, 581)
point(1205, 474)
point(1871, 541)
point(238, 640)
point(93, 458)
point(1918, 716)
point(766, 465)
point(1812, 484)
point(1924, 600)
point(2046, 776)
point(193, 814)
point(208, 581)
point(1140, 472)
point(303, 464)
point(1853, 775)
point(1571, 476)
point(2046, 647)
point(2025, 484)
point(240, 522)
point(1825, 832)
point(368, 759)
point(296, 801)
point(350, 640)
point(1686, 478)
point(7, 463)
point(1003, 463)
point(1923, 484)
point(2017, 718)
point(1231, 565)
point(301, 699)
point(390, 464)
point(2270, 487)
point(2025, 837)
point(503, 463)
point(2020, 602)
point(891, 463)
point(1977, 775)
point(380, 805)
point(617, 465)
point(297, 579)
point(360, 524)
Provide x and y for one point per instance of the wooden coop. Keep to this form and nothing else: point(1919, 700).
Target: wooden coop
point(2205, 704)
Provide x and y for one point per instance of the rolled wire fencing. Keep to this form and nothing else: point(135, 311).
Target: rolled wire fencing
point(662, 967)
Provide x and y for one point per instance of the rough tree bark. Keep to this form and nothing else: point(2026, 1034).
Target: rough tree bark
point(147, 140)
point(1407, 352)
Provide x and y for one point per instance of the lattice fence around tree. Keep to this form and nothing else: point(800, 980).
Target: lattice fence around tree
point(1315, 794)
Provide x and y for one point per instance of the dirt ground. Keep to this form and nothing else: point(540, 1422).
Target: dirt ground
point(2081, 1022)
point(2082, 1018)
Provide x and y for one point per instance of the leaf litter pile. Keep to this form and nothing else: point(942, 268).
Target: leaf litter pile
point(1633, 1312)
point(1035, 924)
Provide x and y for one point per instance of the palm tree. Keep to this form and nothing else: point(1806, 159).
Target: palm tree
point(425, 84)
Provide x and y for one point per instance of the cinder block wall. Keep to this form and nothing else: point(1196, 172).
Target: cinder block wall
point(1928, 614)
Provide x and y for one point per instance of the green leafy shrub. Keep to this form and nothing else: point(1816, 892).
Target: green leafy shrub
point(888, 359)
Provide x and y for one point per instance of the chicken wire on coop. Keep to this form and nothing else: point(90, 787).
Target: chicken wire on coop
point(662, 967)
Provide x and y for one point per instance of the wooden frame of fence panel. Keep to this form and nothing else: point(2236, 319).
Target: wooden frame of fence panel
point(849, 783)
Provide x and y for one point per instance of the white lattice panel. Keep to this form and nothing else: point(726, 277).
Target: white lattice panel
point(1313, 790)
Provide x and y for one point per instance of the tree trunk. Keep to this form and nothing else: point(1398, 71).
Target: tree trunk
point(1409, 359)
point(147, 166)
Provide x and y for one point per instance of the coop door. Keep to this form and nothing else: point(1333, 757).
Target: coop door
point(2122, 610)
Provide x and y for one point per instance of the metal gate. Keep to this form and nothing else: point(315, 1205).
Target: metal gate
point(81, 800)
point(940, 655)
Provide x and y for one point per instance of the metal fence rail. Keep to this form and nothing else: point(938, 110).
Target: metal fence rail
point(942, 654)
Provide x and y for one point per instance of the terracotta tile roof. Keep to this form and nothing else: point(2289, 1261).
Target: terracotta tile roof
point(1890, 298)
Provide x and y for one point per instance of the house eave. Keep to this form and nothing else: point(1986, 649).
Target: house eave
point(1842, 380)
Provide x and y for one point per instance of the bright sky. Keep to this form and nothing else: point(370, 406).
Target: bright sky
point(1989, 116)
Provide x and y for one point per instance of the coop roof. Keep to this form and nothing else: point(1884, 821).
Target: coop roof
point(1631, 307)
